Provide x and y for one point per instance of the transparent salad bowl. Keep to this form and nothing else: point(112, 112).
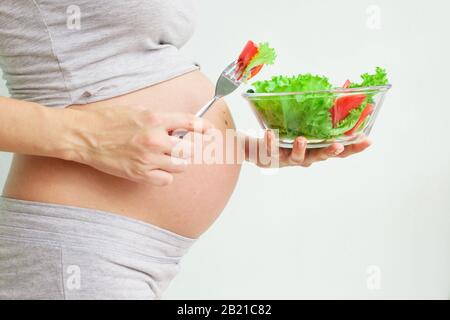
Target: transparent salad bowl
point(322, 117)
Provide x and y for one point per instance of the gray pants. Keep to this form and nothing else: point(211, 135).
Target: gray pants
point(52, 251)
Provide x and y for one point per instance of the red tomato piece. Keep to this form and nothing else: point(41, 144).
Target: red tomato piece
point(343, 105)
point(366, 112)
point(250, 50)
point(255, 71)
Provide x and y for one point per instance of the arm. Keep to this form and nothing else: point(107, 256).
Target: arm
point(131, 143)
point(29, 128)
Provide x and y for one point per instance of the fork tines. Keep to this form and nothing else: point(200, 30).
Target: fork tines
point(234, 72)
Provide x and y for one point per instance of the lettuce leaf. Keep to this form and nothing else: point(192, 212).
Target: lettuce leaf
point(379, 78)
point(301, 83)
point(306, 114)
point(265, 56)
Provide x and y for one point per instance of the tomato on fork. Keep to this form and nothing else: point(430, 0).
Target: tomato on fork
point(250, 50)
point(247, 55)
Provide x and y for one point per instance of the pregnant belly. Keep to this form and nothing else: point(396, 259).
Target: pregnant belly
point(187, 207)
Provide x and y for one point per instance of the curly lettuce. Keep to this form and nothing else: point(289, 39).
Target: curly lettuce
point(379, 78)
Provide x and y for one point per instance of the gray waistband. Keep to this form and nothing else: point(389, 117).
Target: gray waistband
point(73, 226)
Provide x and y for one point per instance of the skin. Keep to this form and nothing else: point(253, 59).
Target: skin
point(112, 155)
point(299, 155)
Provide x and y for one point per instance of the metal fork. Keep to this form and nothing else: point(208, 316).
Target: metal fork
point(230, 79)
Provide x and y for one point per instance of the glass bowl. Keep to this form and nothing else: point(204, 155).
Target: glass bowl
point(322, 117)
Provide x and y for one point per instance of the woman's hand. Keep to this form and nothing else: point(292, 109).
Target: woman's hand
point(133, 142)
point(299, 155)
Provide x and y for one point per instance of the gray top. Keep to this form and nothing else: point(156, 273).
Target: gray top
point(63, 52)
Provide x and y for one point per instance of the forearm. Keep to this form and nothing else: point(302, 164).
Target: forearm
point(32, 129)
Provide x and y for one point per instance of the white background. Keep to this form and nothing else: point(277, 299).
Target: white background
point(373, 226)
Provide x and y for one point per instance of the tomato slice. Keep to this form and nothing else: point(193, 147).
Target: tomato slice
point(366, 112)
point(347, 84)
point(343, 105)
point(250, 50)
point(255, 71)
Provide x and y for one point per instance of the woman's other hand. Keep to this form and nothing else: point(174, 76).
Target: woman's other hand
point(299, 155)
point(133, 142)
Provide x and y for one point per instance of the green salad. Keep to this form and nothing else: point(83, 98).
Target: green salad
point(316, 114)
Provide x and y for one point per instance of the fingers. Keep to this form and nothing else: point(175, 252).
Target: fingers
point(164, 175)
point(167, 167)
point(269, 140)
point(355, 148)
point(178, 148)
point(159, 178)
point(160, 141)
point(185, 121)
point(297, 156)
point(171, 164)
point(318, 155)
point(336, 150)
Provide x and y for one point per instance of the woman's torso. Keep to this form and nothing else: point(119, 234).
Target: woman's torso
point(188, 206)
point(120, 55)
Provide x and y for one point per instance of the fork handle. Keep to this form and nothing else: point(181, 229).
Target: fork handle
point(199, 114)
point(205, 109)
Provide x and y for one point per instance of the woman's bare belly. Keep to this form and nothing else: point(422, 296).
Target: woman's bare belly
point(187, 207)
